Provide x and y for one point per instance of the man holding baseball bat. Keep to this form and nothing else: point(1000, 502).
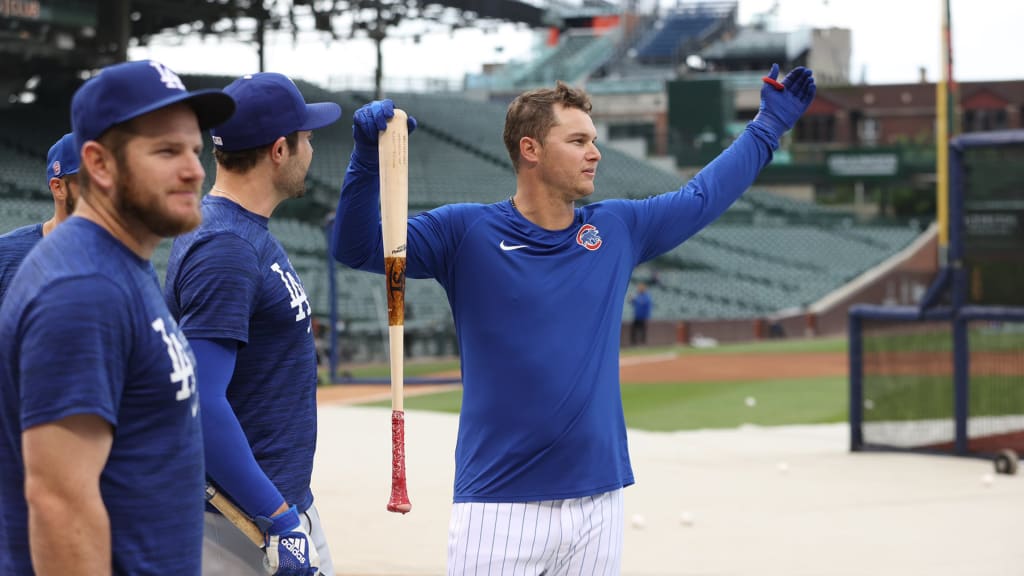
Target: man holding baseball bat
point(537, 287)
point(237, 297)
point(101, 455)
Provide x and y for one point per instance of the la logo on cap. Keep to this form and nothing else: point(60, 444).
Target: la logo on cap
point(167, 76)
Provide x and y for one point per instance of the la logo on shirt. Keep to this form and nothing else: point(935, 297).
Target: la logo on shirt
point(296, 293)
point(183, 373)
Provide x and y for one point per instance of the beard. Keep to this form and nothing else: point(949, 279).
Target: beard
point(296, 184)
point(148, 209)
point(69, 202)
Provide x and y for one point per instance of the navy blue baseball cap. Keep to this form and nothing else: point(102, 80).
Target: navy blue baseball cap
point(269, 106)
point(125, 91)
point(62, 159)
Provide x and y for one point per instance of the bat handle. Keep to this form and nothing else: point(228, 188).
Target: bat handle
point(399, 501)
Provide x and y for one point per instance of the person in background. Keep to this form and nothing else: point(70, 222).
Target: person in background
point(642, 304)
point(62, 180)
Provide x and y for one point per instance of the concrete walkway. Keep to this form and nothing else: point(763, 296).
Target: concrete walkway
point(756, 501)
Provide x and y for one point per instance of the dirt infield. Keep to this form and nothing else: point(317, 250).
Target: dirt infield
point(651, 369)
point(940, 363)
point(726, 367)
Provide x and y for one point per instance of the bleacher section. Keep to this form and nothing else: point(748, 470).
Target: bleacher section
point(766, 254)
point(476, 127)
point(680, 29)
point(740, 270)
point(577, 55)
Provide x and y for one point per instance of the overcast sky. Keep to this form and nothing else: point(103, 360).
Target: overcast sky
point(892, 39)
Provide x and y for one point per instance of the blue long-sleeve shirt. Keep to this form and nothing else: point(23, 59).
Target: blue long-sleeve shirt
point(538, 315)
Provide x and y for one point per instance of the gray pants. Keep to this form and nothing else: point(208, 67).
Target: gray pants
point(227, 552)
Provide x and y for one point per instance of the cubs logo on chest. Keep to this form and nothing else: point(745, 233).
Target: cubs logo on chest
point(589, 237)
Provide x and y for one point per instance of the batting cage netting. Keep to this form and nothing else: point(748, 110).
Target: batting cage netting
point(937, 381)
point(947, 375)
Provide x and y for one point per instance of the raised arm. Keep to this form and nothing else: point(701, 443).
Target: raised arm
point(666, 220)
point(356, 236)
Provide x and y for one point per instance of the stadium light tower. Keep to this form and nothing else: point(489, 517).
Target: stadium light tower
point(375, 17)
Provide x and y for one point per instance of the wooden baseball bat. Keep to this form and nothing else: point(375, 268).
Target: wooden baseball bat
point(234, 515)
point(393, 148)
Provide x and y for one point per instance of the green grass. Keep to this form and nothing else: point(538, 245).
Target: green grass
point(922, 397)
point(796, 346)
point(690, 406)
point(687, 406)
point(450, 401)
point(416, 368)
point(695, 405)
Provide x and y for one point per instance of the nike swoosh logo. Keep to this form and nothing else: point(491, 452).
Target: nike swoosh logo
point(510, 247)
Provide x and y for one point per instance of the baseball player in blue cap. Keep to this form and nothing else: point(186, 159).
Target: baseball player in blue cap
point(244, 309)
point(537, 286)
point(101, 442)
point(61, 168)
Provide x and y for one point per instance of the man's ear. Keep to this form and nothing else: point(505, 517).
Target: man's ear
point(279, 150)
point(100, 164)
point(529, 149)
point(58, 189)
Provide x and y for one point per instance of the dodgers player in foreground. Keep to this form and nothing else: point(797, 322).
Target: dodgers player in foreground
point(537, 286)
point(100, 440)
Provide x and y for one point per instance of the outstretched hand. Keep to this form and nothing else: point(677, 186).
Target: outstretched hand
point(782, 103)
point(372, 119)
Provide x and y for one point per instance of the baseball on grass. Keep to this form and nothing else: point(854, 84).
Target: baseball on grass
point(638, 521)
point(751, 401)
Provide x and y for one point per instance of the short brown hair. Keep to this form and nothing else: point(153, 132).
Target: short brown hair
point(532, 114)
point(241, 161)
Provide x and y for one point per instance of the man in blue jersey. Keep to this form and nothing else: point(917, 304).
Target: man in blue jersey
point(61, 168)
point(237, 297)
point(537, 286)
point(99, 428)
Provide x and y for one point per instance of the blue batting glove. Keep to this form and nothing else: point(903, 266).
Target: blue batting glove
point(367, 124)
point(782, 103)
point(290, 550)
